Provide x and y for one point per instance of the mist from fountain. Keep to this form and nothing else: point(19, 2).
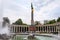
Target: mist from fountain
point(4, 29)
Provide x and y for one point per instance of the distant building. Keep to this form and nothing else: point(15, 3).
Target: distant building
point(46, 21)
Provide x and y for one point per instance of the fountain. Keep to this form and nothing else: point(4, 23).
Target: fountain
point(5, 30)
point(31, 37)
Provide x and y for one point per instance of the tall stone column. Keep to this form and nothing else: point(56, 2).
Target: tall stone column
point(32, 20)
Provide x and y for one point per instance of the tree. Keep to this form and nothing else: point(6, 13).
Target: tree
point(51, 21)
point(37, 23)
point(58, 20)
point(19, 22)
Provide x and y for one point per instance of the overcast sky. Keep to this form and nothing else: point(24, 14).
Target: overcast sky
point(43, 9)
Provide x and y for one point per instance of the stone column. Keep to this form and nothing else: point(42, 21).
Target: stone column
point(13, 29)
point(57, 28)
point(26, 29)
point(19, 29)
point(40, 29)
point(54, 28)
point(47, 29)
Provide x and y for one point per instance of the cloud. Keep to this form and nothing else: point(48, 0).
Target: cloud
point(47, 12)
point(56, 12)
point(1, 12)
point(43, 10)
point(15, 10)
point(41, 3)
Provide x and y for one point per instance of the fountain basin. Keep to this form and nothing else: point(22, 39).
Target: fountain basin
point(38, 37)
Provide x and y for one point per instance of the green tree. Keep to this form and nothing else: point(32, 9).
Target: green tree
point(52, 21)
point(37, 23)
point(58, 20)
point(19, 22)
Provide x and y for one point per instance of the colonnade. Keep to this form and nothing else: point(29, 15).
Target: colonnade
point(19, 29)
point(46, 29)
point(39, 29)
